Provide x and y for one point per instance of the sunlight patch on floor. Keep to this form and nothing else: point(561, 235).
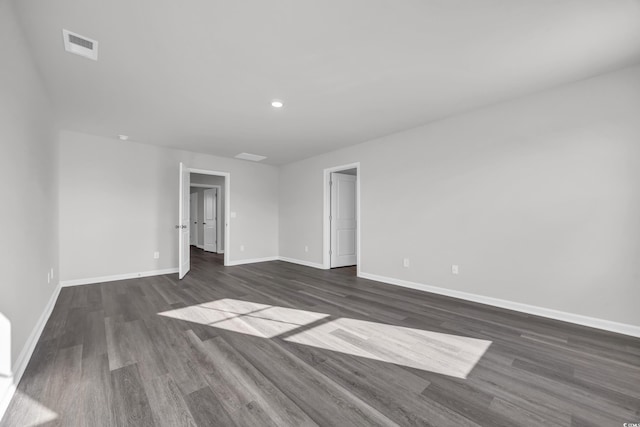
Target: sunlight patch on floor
point(260, 320)
point(446, 354)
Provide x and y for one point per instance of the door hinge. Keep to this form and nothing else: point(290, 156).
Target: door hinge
point(330, 183)
point(330, 218)
point(330, 252)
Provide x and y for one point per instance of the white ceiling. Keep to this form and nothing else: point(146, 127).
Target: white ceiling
point(200, 74)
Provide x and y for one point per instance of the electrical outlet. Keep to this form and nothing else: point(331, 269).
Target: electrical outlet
point(405, 262)
point(156, 255)
point(455, 269)
point(241, 248)
point(51, 273)
point(306, 248)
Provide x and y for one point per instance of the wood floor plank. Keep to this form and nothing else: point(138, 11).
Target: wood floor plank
point(96, 396)
point(65, 384)
point(184, 369)
point(94, 339)
point(321, 398)
point(130, 405)
point(254, 386)
point(167, 402)
point(207, 410)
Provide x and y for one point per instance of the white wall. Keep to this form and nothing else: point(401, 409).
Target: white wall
point(537, 200)
point(28, 190)
point(119, 204)
point(197, 178)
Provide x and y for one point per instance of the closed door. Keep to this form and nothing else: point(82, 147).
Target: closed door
point(210, 219)
point(193, 230)
point(343, 220)
point(184, 250)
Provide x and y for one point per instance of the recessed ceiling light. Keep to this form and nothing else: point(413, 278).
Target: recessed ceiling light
point(276, 103)
point(123, 137)
point(252, 157)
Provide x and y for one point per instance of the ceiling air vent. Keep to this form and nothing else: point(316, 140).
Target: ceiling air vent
point(252, 157)
point(80, 45)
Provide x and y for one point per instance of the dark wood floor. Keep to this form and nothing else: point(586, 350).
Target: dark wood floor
point(106, 357)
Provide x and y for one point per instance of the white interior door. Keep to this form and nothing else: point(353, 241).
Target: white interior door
point(210, 219)
point(343, 220)
point(184, 261)
point(193, 213)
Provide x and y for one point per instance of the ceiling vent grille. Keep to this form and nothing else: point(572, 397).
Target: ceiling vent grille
point(252, 157)
point(80, 45)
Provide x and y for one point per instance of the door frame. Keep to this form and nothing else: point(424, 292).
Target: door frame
point(219, 228)
point(227, 204)
point(326, 227)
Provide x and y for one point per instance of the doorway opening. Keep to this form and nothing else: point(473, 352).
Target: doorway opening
point(207, 212)
point(203, 214)
point(342, 216)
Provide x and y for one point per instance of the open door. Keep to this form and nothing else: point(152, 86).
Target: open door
point(193, 213)
point(210, 220)
point(184, 259)
point(343, 220)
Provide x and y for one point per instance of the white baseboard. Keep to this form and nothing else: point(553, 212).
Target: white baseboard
point(607, 325)
point(301, 262)
point(252, 261)
point(200, 247)
point(91, 280)
point(221, 251)
point(9, 385)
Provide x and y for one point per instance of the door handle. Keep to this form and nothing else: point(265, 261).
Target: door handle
point(204, 223)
